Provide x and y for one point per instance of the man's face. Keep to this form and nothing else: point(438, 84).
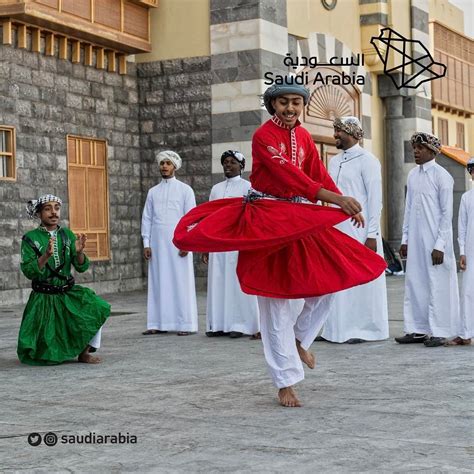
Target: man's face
point(422, 154)
point(472, 173)
point(288, 108)
point(231, 167)
point(50, 214)
point(166, 169)
point(344, 141)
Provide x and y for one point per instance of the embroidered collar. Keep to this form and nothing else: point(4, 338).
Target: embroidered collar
point(278, 122)
point(43, 228)
point(168, 180)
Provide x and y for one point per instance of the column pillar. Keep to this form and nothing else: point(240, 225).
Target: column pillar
point(395, 158)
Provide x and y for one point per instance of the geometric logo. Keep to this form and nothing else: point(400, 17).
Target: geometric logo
point(398, 52)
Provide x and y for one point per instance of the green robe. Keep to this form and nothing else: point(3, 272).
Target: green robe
point(57, 327)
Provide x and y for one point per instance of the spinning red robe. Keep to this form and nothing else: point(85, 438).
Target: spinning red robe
point(287, 249)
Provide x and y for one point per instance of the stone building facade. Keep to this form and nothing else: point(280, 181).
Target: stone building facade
point(46, 99)
point(199, 106)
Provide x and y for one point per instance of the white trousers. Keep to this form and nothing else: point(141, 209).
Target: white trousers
point(280, 327)
point(95, 341)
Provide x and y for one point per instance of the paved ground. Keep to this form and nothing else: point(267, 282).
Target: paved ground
point(196, 404)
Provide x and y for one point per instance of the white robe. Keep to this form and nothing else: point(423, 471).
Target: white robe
point(431, 302)
point(228, 308)
point(359, 312)
point(171, 302)
point(465, 324)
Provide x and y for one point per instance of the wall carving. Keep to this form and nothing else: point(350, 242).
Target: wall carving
point(327, 102)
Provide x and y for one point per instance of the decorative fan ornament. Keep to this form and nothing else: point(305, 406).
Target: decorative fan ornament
point(328, 102)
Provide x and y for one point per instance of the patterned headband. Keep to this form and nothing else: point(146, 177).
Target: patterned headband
point(470, 165)
point(350, 125)
point(234, 154)
point(426, 139)
point(34, 205)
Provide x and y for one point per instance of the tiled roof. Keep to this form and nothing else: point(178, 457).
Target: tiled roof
point(456, 154)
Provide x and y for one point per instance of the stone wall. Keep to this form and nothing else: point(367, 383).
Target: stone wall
point(175, 113)
point(45, 99)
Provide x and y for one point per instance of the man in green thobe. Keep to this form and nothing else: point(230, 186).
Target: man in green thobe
point(61, 320)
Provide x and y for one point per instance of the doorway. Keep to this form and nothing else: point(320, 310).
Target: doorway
point(327, 151)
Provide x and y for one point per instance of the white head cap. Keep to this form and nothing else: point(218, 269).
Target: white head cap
point(170, 155)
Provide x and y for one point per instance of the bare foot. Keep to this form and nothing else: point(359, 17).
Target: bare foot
point(288, 397)
point(88, 359)
point(458, 341)
point(306, 356)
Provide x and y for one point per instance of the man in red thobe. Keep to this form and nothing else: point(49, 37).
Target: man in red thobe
point(288, 247)
point(286, 164)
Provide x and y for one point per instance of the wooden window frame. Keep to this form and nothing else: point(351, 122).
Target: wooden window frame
point(460, 135)
point(11, 155)
point(442, 122)
point(93, 141)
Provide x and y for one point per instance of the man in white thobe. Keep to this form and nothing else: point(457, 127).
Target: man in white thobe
point(171, 304)
point(464, 327)
point(431, 304)
point(229, 310)
point(358, 314)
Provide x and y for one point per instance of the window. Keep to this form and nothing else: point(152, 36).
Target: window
point(443, 131)
point(460, 135)
point(88, 193)
point(7, 153)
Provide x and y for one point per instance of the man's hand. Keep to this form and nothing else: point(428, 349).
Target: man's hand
point(462, 262)
point(437, 257)
point(349, 205)
point(358, 220)
point(50, 249)
point(43, 260)
point(371, 244)
point(80, 242)
point(205, 258)
point(147, 253)
point(182, 253)
point(403, 251)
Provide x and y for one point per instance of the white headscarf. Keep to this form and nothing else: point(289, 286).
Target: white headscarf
point(170, 155)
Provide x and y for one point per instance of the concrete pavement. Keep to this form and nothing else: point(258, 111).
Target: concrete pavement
point(197, 404)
